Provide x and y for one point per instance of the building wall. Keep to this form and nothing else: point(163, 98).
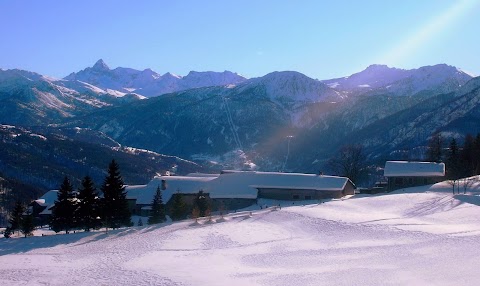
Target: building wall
point(219, 205)
point(395, 183)
point(297, 194)
point(216, 205)
point(349, 189)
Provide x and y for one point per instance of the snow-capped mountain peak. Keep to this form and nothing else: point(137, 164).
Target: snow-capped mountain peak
point(441, 78)
point(293, 87)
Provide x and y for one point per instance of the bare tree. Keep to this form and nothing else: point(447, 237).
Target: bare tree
point(468, 182)
point(453, 183)
point(350, 162)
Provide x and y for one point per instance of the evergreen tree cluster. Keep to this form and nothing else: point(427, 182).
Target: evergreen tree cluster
point(461, 161)
point(86, 210)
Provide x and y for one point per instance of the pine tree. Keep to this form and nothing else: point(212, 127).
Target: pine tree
point(466, 157)
point(115, 205)
point(201, 203)
point(15, 220)
point(157, 214)
point(178, 211)
point(476, 155)
point(434, 152)
point(453, 165)
point(63, 212)
point(8, 232)
point(88, 205)
point(27, 225)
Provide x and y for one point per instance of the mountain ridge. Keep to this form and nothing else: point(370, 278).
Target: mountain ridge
point(149, 83)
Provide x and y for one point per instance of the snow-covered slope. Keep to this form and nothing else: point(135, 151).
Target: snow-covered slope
point(148, 82)
point(419, 237)
point(374, 76)
point(30, 98)
point(439, 78)
point(291, 87)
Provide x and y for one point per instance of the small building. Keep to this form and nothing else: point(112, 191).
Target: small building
point(41, 208)
point(405, 174)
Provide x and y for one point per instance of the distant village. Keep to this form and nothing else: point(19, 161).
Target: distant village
point(234, 190)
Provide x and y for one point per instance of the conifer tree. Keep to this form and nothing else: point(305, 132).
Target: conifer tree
point(201, 203)
point(476, 155)
point(27, 226)
point(115, 205)
point(15, 220)
point(178, 211)
point(63, 212)
point(453, 165)
point(466, 157)
point(434, 152)
point(88, 205)
point(8, 232)
point(157, 214)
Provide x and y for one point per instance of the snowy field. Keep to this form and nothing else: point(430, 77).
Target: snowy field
point(418, 236)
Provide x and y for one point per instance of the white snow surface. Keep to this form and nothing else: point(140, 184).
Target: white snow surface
point(418, 236)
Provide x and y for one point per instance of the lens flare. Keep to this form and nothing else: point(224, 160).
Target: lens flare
point(425, 34)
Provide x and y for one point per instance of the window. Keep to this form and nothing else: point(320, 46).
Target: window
point(308, 197)
point(296, 197)
point(398, 181)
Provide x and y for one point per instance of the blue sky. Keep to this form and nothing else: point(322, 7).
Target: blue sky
point(322, 39)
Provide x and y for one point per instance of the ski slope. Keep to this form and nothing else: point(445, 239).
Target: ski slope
point(417, 236)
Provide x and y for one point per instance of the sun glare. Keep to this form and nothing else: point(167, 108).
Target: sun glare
point(408, 46)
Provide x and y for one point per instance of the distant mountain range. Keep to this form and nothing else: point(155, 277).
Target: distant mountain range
point(223, 120)
point(149, 83)
point(377, 79)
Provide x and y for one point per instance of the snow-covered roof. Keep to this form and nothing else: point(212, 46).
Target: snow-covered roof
point(202, 175)
point(48, 198)
point(133, 191)
point(414, 169)
point(299, 181)
point(173, 184)
point(41, 202)
point(238, 184)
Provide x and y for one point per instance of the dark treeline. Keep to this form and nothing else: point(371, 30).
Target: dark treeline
point(461, 161)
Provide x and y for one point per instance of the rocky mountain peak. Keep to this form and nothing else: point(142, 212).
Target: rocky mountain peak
point(100, 65)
